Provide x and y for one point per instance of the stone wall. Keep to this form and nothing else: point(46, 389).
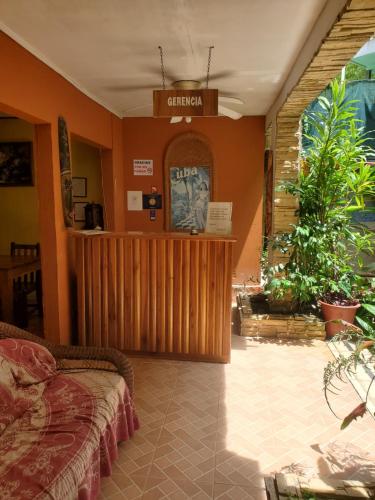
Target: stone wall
point(287, 326)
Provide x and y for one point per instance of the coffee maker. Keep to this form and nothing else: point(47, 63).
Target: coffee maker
point(94, 216)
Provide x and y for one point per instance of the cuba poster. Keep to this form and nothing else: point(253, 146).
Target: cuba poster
point(190, 192)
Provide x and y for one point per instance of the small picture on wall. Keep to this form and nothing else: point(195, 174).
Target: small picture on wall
point(79, 186)
point(79, 211)
point(16, 163)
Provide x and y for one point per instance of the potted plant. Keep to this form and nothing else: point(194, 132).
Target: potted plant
point(324, 247)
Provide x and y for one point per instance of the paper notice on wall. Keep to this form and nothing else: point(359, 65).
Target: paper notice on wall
point(91, 232)
point(143, 167)
point(135, 200)
point(219, 217)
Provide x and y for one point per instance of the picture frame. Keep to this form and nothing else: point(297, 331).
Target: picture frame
point(189, 191)
point(16, 163)
point(79, 211)
point(79, 186)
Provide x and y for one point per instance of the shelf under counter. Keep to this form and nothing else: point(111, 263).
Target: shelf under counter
point(162, 293)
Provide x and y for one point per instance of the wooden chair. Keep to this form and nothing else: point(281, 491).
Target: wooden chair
point(30, 283)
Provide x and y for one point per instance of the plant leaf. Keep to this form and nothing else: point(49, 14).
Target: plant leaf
point(359, 411)
point(369, 307)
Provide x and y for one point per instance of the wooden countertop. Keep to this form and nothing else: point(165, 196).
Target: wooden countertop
point(154, 236)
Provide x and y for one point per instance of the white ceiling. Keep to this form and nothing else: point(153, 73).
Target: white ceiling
point(104, 46)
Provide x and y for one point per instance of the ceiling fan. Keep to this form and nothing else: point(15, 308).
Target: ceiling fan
point(178, 84)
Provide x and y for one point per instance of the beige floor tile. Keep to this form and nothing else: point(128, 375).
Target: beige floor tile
point(131, 493)
point(213, 431)
point(171, 488)
point(108, 487)
point(235, 492)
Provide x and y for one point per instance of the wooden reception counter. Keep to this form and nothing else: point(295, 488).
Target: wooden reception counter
point(166, 293)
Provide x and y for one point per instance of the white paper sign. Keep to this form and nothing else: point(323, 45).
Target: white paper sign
point(219, 217)
point(134, 200)
point(143, 167)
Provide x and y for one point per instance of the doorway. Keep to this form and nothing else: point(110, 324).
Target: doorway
point(87, 185)
point(20, 275)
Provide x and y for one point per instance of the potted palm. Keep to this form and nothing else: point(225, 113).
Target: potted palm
point(325, 246)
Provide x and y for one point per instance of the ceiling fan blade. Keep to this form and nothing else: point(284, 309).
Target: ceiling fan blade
point(229, 112)
point(229, 99)
point(124, 88)
point(218, 75)
point(156, 70)
point(176, 119)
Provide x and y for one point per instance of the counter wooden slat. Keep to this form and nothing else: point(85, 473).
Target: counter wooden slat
point(105, 293)
point(185, 292)
point(87, 283)
point(112, 291)
point(81, 295)
point(153, 296)
point(137, 342)
point(162, 293)
point(170, 298)
point(203, 297)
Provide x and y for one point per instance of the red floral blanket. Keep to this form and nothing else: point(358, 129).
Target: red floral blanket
point(58, 433)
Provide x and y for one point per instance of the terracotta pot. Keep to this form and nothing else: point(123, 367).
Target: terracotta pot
point(330, 312)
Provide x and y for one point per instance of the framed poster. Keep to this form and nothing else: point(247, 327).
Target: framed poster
point(79, 211)
point(16, 163)
point(79, 186)
point(190, 190)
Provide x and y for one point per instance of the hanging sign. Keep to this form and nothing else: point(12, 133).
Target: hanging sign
point(143, 167)
point(202, 102)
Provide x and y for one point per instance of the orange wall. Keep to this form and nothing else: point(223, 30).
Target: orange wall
point(238, 148)
point(31, 90)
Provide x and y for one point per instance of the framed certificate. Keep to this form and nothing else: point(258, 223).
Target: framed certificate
point(79, 185)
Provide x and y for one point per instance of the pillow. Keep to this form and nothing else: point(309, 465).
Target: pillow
point(25, 367)
point(31, 362)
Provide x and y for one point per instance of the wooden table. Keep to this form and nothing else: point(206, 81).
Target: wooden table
point(12, 267)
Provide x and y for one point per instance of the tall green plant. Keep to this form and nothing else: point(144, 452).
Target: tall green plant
point(332, 183)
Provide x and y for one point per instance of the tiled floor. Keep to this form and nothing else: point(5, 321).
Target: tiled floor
point(213, 431)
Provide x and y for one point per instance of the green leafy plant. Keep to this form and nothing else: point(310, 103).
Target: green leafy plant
point(325, 247)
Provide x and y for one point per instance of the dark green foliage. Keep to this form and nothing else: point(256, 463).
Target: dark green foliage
point(354, 71)
point(332, 183)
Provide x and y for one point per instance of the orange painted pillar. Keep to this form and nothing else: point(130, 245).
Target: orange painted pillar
point(53, 237)
point(113, 179)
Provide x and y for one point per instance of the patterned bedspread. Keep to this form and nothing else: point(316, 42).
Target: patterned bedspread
point(58, 432)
